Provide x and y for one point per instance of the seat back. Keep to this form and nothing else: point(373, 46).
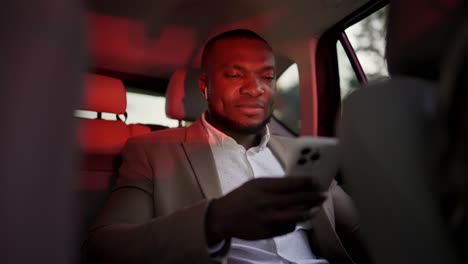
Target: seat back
point(452, 180)
point(387, 145)
point(101, 142)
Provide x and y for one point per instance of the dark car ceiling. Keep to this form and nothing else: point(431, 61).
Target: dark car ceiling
point(151, 38)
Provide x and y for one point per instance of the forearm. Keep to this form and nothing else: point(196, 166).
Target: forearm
point(175, 238)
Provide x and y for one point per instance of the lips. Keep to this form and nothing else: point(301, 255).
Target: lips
point(251, 109)
point(251, 105)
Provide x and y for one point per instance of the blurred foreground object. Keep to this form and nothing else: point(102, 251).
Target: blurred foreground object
point(42, 55)
point(390, 138)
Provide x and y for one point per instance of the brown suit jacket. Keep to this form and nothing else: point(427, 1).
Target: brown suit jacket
point(156, 212)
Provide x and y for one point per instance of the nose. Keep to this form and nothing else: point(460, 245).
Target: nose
point(254, 87)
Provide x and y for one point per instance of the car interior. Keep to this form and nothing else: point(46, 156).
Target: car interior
point(142, 62)
point(159, 54)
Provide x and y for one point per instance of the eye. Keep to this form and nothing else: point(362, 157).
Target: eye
point(268, 75)
point(232, 75)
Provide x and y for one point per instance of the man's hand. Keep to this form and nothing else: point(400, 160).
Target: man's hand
point(262, 208)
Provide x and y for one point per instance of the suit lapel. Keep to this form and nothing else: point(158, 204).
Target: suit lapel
point(198, 152)
point(201, 159)
point(277, 148)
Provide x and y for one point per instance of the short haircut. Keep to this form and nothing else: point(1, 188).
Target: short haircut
point(231, 34)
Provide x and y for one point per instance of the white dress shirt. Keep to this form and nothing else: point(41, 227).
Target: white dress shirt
point(235, 166)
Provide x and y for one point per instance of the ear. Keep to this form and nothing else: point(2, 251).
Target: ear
point(203, 84)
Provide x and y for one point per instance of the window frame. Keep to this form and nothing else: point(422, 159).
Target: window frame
point(353, 59)
point(286, 130)
point(328, 82)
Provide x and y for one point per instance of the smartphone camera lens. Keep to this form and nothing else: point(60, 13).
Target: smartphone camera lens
point(315, 156)
point(305, 151)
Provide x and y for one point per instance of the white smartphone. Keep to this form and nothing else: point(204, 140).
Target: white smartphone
point(316, 157)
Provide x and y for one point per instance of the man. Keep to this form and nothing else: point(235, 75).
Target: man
point(216, 191)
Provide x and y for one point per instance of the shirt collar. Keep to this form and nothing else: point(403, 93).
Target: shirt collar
point(218, 138)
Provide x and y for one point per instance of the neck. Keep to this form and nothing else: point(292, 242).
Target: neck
point(247, 140)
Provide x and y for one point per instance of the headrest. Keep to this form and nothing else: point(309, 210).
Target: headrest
point(104, 94)
point(415, 47)
point(184, 101)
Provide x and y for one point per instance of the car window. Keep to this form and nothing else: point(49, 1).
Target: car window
point(367, 38)
point(287, 104)
point(348, 79)
point(142, 108)
point(92, 115)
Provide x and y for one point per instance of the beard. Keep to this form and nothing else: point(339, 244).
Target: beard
point(228, 124)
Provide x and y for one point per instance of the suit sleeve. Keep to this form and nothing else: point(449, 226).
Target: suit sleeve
point(347, 225)
point(127, 229)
